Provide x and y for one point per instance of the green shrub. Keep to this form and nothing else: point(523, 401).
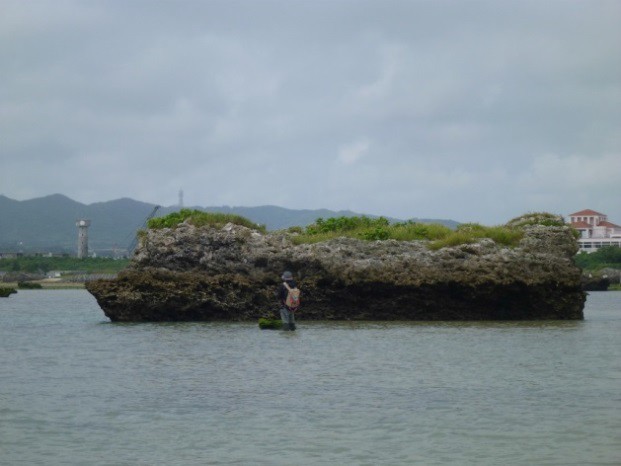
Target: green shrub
point(370, 229)
point(438, 235)
point(345, 224)
point(470, 227)
point(199, 218)
point(606, 257)
point(354, 227)
point(376, 234)
point(29, 286)
point(35, 264)
point(502, 235)
point(409, 231)
point(5, 292)
point(454, 239)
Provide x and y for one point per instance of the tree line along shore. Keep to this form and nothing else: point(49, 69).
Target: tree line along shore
point(35, 272)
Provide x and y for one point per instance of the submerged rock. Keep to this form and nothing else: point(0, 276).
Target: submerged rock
point(598, 283)
point(232, 273)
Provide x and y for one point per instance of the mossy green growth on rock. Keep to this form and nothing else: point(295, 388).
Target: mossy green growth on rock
point(537, 218)
point(199, 219)
point(370, 229)
point(5, 292)
point(472, 232)
point(270, 324)
point(438, 236)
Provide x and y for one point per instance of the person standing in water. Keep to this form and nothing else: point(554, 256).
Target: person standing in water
point(289, 297)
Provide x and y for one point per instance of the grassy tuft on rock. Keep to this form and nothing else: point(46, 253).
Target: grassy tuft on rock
point(537, 218)
point(438, 236)
point(470, 233)
point(29, 286)
point(374, 229)
point(370, 229)
point(199, 218)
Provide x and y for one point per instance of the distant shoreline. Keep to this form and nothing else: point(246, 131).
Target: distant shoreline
point(46, 284)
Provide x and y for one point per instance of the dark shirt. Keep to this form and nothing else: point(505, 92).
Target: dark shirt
point(282, 291)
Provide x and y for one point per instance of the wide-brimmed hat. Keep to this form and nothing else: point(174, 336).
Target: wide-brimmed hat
point(287, 275)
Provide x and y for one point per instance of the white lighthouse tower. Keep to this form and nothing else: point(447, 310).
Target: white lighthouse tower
point(83, 238)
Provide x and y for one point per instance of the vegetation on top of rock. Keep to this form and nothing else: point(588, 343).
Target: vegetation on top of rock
point(509, 234)
point(439, 236)
point(537, 218)
point(540, 218)
point(472, 232)
point(199, 218)
point(340, 224)
point(370, 229)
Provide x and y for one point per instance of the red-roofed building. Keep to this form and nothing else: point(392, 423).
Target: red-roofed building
point(595, 230)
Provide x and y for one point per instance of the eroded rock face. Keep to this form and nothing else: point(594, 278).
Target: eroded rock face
point(191, 273)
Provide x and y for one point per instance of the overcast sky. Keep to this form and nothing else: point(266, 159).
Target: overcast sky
point(469, 110)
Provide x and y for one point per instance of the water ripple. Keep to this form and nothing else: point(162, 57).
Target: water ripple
point(76, 389)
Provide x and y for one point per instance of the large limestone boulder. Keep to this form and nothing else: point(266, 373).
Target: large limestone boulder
point(231, 273)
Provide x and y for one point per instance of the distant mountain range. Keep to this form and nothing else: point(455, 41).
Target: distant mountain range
point(48, 224)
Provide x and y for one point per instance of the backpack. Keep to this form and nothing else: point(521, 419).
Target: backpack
point(293, 297)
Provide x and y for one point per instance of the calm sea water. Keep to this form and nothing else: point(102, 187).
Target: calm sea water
point(76, 389)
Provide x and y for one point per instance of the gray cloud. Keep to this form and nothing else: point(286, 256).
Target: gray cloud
point(477, 111)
